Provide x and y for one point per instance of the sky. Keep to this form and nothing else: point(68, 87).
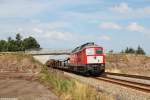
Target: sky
point(112, 24)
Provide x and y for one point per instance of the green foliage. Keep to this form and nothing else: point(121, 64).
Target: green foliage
point(129, 50)
point(59, 83)
point(69, 89)
point(140, 51)
point(133, 51)
point(3, 45)
point(11, 45)
point(18, 44)
point(30, 42)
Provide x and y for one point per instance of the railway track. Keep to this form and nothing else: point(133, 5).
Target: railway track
point(126, 83)
point(129, 76)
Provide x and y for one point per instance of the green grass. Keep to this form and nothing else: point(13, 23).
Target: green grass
point(70, 89)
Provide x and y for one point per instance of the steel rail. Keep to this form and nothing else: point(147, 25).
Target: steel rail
point(130, 84)
point(129, 75)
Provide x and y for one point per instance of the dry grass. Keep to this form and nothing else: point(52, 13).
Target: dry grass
point(70, 89)
point(84, 92)
point(64, 87)
point(128, 63)
point(18, 62)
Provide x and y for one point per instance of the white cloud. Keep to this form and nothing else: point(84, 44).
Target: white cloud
point(142, 11)
point(105, 37)
point(19, 29)
point(43, 33)
point(122, 8)
point(54, 25)
point(125, 9)
point(110, 25)
point(57, 35)
point(28, 8)
point(135, 27)
point(146, 10)
point(22, 8)
point(37, 30)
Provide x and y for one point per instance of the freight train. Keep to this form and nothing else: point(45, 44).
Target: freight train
point(87, 59)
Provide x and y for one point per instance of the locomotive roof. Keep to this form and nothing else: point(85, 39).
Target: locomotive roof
point(79, 48)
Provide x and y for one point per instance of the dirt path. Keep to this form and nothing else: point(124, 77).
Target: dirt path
point(20, 89)
point(18, 73)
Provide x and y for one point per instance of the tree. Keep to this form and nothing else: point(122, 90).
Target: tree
point(129, 50)
point(30, 43)
point(9, 39)
point(140, 51)
point(11, 46)
point(3, 45)
point(18, 37)
point(19, 43)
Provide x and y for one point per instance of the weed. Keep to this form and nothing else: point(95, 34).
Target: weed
point(70, 89)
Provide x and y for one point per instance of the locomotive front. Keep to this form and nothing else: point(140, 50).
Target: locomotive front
point(95, 60)
point(88, 59)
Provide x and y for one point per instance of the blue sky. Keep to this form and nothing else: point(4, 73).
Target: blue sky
point(114, 24)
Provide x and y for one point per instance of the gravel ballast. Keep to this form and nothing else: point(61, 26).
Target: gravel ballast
point(119, 92)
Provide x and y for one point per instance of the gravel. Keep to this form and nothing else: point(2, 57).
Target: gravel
point(131, 79)
point(119, 92)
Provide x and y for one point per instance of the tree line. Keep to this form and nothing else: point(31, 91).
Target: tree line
point(18, 44)
point(130, 50)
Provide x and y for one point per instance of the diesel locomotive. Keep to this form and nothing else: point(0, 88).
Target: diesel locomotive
point(88, 59)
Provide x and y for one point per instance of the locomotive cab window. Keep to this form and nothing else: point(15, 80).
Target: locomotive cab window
point(90, 51)
point(99, 51)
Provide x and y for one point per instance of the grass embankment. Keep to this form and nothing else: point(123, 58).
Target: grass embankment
point(128, 64)
point(18, 62)
point(70, 89)
point(66, 88)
